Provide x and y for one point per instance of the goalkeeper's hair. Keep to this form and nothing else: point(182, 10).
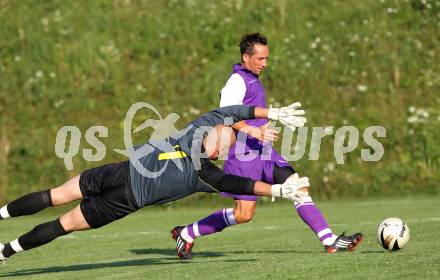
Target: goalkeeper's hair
point(248, 41)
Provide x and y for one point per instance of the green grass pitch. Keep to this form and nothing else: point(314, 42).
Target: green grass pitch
point(275, 245)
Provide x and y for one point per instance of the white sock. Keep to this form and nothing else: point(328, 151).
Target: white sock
point(329, 240)
point(228, 215)
point(186, 236)
point(4, 212)
point(16, 246)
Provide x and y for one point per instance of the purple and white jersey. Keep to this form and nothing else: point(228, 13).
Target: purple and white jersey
point(244, 88)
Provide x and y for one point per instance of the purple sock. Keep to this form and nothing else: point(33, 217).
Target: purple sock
point(215, 222)
point(311, 215)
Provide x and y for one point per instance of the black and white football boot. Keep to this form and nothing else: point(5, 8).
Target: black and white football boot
point(183, 247)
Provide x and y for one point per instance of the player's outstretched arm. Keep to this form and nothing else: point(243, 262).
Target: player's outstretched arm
point(289, 116)
point(219, 181)
point(290, 189)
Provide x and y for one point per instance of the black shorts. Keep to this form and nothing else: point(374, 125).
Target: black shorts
point(107, 194)
point(280, 174)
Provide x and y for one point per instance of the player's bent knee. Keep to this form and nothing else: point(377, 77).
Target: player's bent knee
point(244, 211)
point(243, 219)
point(244, 216)
point(74, 220)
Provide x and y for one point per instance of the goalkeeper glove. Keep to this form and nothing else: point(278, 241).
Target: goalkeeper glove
point(291, 188)
point(289, 116)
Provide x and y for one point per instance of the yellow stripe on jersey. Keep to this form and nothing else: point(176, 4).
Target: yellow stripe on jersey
point(172, 155)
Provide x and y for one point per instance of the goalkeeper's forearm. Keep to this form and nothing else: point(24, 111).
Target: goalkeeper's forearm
point(240, 185)
point(261, 113)
point(262, 189)
point(267, 113)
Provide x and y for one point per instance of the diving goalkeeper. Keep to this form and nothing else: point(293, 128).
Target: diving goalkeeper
point(111, 192)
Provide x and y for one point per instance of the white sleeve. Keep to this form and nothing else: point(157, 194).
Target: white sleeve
point(233, 92)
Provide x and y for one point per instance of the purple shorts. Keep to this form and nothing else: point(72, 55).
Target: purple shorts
point(256, 169)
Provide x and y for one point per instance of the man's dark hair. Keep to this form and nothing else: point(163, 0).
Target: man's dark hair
point(248, 41)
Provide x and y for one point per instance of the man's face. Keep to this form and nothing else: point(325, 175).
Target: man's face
point(257, 61)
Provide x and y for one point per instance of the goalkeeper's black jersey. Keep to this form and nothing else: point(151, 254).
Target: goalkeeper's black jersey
point(177, 167)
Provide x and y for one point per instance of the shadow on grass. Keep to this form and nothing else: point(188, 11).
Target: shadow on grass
point(172, 252)
point(171, 259)
point(92, 266)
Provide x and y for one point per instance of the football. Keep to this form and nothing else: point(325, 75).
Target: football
point(393, 234)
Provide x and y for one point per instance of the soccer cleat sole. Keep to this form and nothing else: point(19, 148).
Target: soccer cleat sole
point(184, 249)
